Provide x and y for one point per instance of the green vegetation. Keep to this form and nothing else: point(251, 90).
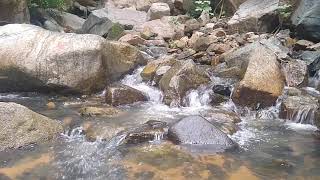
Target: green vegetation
point(214, 9)
point(58, 4)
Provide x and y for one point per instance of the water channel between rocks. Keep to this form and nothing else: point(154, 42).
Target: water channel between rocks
point(270, 148)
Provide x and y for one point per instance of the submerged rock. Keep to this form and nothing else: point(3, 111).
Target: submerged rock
point(301, 108)
point(198, 131)
point(263, 81)
point(20, 126)
point(149, 131)
point(121, 95)
point(182, 77)
point(99, 111)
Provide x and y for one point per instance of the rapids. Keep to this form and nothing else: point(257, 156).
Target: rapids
point(270, 148)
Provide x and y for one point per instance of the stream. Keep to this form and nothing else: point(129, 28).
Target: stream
point(269, 148)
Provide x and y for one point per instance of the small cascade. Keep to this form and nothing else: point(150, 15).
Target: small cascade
point(135, 81)
point(304, 115)
point(198, 98)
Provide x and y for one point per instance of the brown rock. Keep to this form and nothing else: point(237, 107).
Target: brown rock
point(121, 95)
point(263, 81)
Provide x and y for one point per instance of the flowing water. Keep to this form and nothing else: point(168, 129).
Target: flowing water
point(270, 148)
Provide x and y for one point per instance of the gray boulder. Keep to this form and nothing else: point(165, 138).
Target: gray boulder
point(20, 127)
point(196, 130)
point(34, 59)
point(101, 21)
point(63, 62)
point(256, 15)
point(307, 19)
point(70, 22)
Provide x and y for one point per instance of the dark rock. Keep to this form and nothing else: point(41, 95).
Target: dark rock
point(121, 95)
point(302, 45)
point(222, 90)
point(312, 58)
point(70, 22)
point(307, 20)
point(197, 130)
point(151, 130)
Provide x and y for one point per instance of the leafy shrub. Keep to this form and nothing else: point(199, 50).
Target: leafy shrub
point(58, 4)
point(200, 6)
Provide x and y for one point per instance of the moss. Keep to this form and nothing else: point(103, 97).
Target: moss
point(115, 32)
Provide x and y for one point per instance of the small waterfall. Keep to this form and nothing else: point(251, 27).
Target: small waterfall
point(304, 115)
point(135, 81)
point(198, 98)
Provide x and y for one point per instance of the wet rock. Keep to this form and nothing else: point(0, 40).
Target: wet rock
point(121, 58)
point(222, 90)
point(263, 81)
point(158, 10)
point(197, 130)
point(182, 77)
point(14, 11)
point(150, 131)
point(312, 58)
point(155, 51)
point(94, 132)
point(151, 68)
point(296, 73)
point(307, 20)
point(217, 99)
point(302, 109)
point(121, 95)
point(51, 105)
point(256, 15)
point(99, 111)
point(20, 127)
point(164, 27)
point(50, 61)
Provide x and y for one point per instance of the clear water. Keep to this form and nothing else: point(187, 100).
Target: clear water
point(270, 148)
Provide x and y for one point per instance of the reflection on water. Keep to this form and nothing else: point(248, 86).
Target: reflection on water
point(270, 148)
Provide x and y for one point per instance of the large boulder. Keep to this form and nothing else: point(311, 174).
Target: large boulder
point(20, 127)
point(101, 21)
point(14, 11)
point(120, 94)
point(263, 81)
point(166, 27)
point(121, 58)
point(196, 130)
point(307, 19)
point(182, 77)
point(158, 10)
point(63, 62)
point(35, 59)
point(256, 15)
